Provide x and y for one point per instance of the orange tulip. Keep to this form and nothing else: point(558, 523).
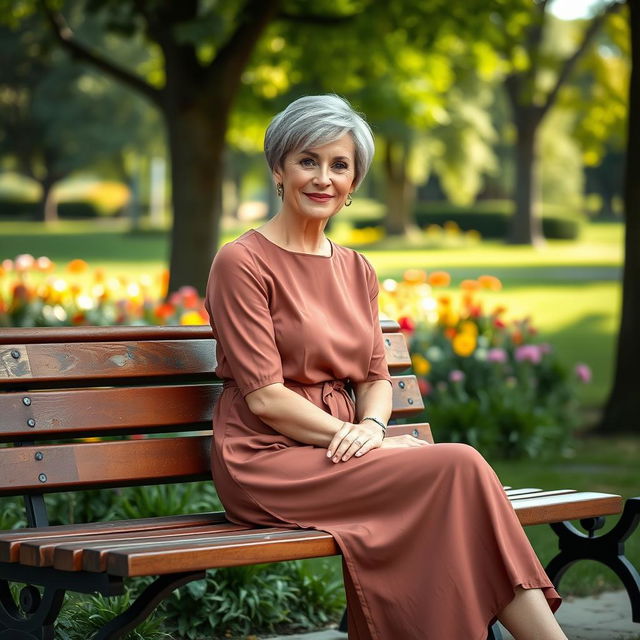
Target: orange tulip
point(415, 276)
point(77, 266)
point(439, 279)
point(490, 282)
point(469, 285)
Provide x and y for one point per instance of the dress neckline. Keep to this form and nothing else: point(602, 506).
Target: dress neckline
point(297, 253)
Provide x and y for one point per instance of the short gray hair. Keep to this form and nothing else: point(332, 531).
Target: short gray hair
point(313, 121)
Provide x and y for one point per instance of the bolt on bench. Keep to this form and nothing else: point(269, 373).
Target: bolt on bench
point(62, 384)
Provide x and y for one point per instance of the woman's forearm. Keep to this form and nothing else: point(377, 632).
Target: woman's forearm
point(374, 399)
point(293, 415)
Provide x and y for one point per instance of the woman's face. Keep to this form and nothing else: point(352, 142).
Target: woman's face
point(317, 181)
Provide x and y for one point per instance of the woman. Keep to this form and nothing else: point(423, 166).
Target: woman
point(431, 545)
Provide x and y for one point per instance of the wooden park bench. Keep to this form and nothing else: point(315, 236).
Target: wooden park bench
point(62, 385)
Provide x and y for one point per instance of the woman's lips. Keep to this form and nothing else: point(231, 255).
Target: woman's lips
point(318, 197)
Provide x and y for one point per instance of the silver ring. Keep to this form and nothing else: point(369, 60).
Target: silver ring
point(356, 441)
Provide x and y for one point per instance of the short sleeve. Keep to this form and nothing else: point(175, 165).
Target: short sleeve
point(237, 303)
point(378, 367)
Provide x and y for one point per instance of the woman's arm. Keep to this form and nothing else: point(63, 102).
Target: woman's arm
point(294, 416)
point(373, 399)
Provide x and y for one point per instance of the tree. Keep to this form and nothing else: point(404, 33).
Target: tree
point(530, 102)
point(203, 48)
point(621, 409)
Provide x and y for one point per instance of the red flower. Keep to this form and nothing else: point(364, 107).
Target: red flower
point(498, 324)
point(424, 386)
point(406, 324)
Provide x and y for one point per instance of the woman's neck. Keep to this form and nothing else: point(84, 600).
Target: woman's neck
point(302, 236)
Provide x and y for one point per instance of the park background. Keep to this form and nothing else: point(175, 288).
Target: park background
point(496, 212)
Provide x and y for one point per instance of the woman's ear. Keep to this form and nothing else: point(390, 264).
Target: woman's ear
point(277, 178)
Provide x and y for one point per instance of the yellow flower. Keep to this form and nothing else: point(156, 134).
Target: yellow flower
point(192, 317)
point(464, 344)
point(469, 327)
point(421, 366)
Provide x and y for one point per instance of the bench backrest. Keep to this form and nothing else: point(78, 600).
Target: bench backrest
point(147, 392)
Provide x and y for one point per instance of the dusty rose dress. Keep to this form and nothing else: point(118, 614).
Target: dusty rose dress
point(431, 545)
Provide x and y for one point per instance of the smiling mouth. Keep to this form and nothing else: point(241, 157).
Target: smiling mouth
point(318, 197)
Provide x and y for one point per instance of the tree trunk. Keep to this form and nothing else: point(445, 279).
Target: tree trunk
point(196, 143)
point(526, 223)
point(48, 203)
point(400, 193)
point(621, 410)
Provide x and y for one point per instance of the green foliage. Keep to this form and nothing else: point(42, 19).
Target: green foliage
point(22, 210)
point(490, 219)
point(256, 598)
point(83, 616)
point(167, 500)
point(12, 515)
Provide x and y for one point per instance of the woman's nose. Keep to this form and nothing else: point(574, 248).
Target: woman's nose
point(322, 175)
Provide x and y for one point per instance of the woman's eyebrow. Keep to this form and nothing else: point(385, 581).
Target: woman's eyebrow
point(307, 152)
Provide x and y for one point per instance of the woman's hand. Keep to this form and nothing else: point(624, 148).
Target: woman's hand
point(354, 440)
point(403, 441)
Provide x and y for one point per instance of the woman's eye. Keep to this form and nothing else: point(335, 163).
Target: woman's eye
point(341, 166)
point(307, 162)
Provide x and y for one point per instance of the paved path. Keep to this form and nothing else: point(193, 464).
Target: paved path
point(605, 617)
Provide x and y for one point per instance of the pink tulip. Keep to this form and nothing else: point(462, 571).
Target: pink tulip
point(583, 372)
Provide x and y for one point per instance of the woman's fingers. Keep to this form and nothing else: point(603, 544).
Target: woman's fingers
point(349, 440)
point(337, 439)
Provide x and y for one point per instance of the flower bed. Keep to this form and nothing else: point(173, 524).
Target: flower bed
point(32, 296)
point(486, 379)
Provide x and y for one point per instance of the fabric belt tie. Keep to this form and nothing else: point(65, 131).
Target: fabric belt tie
point(330, 391)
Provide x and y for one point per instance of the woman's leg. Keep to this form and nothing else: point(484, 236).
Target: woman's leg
point(528, 617)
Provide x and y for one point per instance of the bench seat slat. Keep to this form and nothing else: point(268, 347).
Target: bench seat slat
point(248, 549)
point(69, 554)
point(572, 506)
point(11, 541)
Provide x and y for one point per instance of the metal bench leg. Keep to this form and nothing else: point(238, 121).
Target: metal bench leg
point(34, 618)
point(144, 604)
point(607, 549)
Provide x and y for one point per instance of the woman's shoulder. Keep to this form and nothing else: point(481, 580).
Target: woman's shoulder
point(239, 250)
point(352, 256)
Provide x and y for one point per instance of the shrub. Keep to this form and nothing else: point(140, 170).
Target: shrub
point(485, 380)
point(256, 598)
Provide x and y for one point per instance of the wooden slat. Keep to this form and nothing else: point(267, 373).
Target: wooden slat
point(419, 430)
point(91, 412)
point(407, 400)
point(93, 362)
point(69, 551)
point(541, 494)
point(63, 467)
point(396, 352)
point(104, 464)
point(243, 549)
point(11, 541)
point(571, 506)
point(83, 412)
